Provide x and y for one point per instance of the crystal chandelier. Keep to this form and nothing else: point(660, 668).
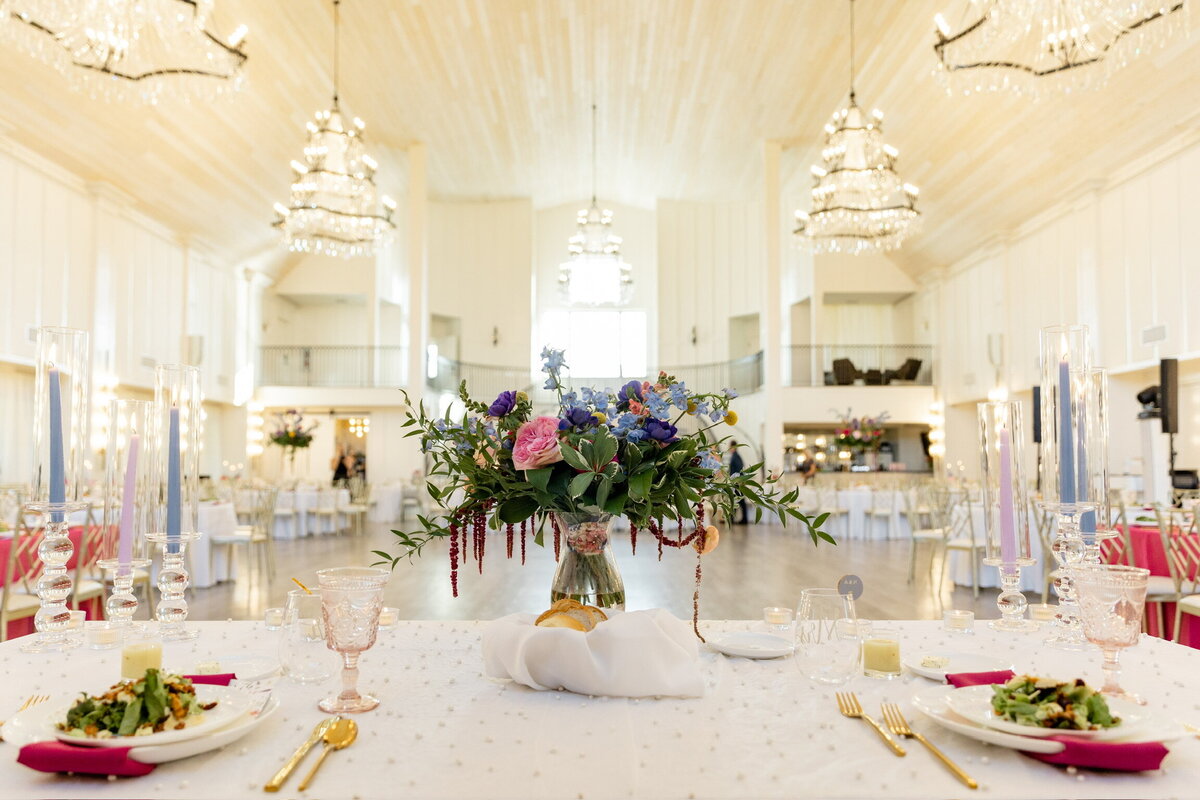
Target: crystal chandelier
point(141, 49)
point(1032, 45)
point(333, 207)
point(859, 203)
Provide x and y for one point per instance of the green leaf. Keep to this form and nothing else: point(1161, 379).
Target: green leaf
point(616, 503)
point(539, 477)
point(605, 447)
point(580, 483)
point(515, 509)
point(574, 458)
point(602, 490)
point(639, 484)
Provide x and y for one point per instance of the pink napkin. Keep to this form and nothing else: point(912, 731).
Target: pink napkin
point(222, 679)
point(63, 757)
point(1115, 756)
point(961, 679)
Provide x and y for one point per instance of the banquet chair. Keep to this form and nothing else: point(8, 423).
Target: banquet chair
point(1044, 522)
point(327, 509)
point(89, 578)
point(258, 506)
point(963, 538)
point(883, 505)
point(926, 526)
point(828, 503)
point(360, 503)
point(1185, 558)
point(1167, 588)
point(22, 569)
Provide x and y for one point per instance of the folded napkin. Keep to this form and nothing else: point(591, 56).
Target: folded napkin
point(63, 757)
point(961, 679)
point(221, 679)
point(637, 654)
point(1115, 756)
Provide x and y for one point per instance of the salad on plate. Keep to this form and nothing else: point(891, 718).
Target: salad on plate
point(1047, 703)
point(154, 703)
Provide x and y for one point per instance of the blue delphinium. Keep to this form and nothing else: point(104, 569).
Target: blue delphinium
point(659, 408)
point(625, 423)
point(702, 408)
point(636, 435)
point(717, 415)
point(709, 461)
point(730, 393)
point(678, 392)
point(553, 360)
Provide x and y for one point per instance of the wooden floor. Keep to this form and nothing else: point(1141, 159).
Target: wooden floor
point(755, 566)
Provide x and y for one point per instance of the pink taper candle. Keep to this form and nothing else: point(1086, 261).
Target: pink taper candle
point(1008, 531)
point(125, 544)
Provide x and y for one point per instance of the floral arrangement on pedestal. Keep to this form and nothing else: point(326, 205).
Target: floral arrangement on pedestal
point(860, 433)
point(604, 454)
point(292, 432)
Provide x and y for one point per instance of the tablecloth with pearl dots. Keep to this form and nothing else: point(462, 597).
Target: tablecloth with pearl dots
point(444, 730)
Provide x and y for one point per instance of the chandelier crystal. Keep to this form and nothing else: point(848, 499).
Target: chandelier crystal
point(1029, 46)
point(129, 49)
point(333, 206)
point(859, 202)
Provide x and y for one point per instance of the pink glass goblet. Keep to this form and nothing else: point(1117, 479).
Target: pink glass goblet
point(1112, 599)
point(351, 598)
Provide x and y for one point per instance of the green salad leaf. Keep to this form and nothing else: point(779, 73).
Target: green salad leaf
point(1044, 703)
point(152, 703)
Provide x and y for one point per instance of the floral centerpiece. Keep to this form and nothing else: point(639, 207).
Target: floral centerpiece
point(292, 432)
point(860, 433)
point(603, 454)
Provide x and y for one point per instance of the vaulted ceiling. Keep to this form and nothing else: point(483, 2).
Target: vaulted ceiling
point(688, 90)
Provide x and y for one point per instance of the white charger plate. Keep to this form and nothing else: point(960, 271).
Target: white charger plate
point(247, 667)
point(958, 662)
point(747, 644)
point(974, 704)
point(37, 724)
point(193, 747)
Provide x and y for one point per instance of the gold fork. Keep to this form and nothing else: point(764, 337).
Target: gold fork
point(850, 707)
point(899, 726)
point(30, 702)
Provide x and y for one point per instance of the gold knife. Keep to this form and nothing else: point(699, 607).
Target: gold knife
point(318, 733)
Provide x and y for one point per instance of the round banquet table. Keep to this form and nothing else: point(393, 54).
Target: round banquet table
point(1146, 546)
point(386, 502)
point(215, 519)
point(858, 522)
point(959, 566)
point(761, 730)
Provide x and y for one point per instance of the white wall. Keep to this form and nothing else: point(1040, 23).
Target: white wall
point(481, 272)
point(1119, 259)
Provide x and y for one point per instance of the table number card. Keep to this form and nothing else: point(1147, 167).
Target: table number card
point(851, 585)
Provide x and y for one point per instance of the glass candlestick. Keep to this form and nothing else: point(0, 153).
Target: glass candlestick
point(62, 395)
point(1006, 521)
point(173, 580)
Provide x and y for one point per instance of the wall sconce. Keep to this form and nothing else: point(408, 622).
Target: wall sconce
point(495, 336)
point(694, 336)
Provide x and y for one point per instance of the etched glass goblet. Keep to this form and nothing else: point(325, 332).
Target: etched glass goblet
point(351, 598)
point(1112, 599)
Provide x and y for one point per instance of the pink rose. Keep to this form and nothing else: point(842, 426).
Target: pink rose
point(537, 444)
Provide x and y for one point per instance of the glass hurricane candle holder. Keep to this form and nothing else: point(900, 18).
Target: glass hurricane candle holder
point(351, 599)
point(62, 393)
point(1096, 525)
point(1065, 389)
point(176, 489)
point(1005, 500)
point(127, 512)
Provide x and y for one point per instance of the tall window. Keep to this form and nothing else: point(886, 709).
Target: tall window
point(599, 344)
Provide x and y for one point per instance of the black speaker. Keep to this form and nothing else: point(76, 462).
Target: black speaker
point(1037, 415)
point(1168, 394)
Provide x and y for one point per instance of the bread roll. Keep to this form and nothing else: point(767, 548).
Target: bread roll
point(559, 619)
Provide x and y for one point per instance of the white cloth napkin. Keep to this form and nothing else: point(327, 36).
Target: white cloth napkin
point(636, 654)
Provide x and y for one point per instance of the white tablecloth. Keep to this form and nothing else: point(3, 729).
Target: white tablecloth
point(215, 519)
point(386, 502)
point(761, 731)
point(857, 522)
point(302, 522)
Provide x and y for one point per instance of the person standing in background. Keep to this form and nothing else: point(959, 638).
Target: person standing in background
point(340, 473)
point(736, 465)
point(808, 466)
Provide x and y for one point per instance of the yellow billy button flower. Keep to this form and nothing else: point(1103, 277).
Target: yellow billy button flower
point(522, 397)
point(691, 409)
point(600, 418)
point(731, 418)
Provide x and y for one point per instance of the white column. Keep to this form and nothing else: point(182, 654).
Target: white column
point(417, 264)
point(770, 321)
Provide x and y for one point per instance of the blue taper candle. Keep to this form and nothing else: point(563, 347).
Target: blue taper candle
point(1066, 438)
point(174, 502)
point(58, 479)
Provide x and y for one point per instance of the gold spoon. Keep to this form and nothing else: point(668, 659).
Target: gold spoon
point(339, 735)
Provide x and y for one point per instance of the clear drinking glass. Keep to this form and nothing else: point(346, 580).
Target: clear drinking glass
point(303, 653)
point(1112, 599)
point(351, 598)
point(828, 636)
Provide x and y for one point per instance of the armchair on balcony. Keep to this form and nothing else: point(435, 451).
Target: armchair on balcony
point(844, 372)
point(908, 372)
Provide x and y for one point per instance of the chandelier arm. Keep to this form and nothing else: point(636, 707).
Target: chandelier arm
point(335, 212)
point(851, 51)
point(336, 52)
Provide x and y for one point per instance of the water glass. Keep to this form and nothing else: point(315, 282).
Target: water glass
point(303, 654)
point(1112, 599)
point(351, 598)
point(828, 636)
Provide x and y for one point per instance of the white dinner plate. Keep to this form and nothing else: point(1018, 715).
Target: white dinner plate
point(38, 723)
point(974, 704)
point(956, 662)
point(219, 738)
point(746, 644)
point(247, 667)
point(932, 703)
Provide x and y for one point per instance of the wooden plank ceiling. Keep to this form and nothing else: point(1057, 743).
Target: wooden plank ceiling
point(688, 90)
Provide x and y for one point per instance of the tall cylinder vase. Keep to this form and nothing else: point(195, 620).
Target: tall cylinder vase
point(587, 570)
point(62, 396)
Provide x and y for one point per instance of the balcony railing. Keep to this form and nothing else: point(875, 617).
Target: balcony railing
point(332, 366)
point(859, 364)
point(484, 381)
point(743, 374)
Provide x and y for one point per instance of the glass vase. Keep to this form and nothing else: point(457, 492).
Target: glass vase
point(587, 571)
